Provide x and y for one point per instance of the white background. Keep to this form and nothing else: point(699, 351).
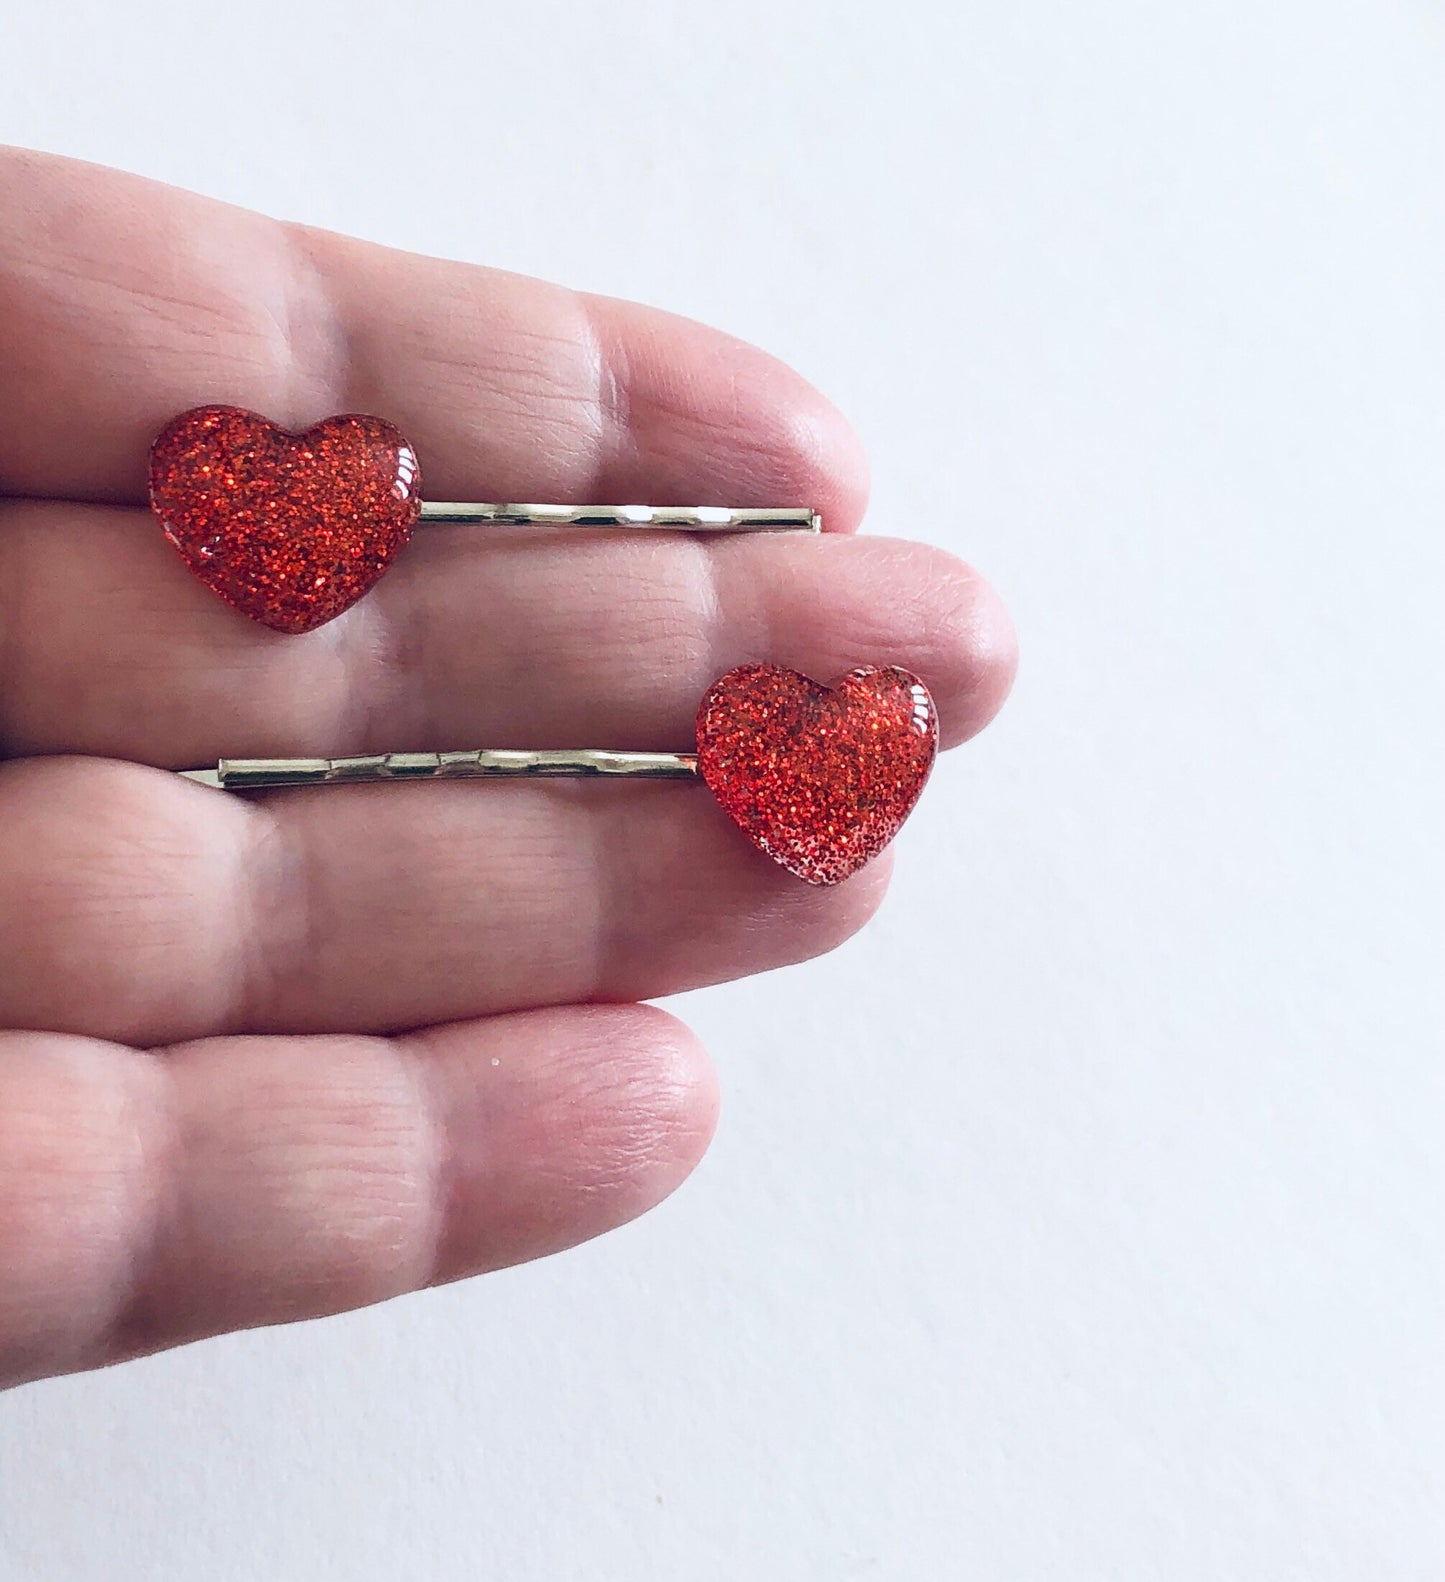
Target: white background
point(1082, 1218)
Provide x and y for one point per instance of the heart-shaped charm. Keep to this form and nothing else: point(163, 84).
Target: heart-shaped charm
point(820, 778)
point(291, 529)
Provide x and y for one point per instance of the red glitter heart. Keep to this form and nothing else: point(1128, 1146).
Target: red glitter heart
point(820, 778)
point(291, 529)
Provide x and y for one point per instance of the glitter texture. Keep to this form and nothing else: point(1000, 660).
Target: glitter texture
point(291, 529)
point(820, 778)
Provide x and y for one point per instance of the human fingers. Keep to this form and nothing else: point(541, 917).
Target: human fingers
point(148, 1198)
point(108, 646)
point(138, 906)
point(123, 302)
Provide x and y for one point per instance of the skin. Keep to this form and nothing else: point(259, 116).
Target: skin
point(277, 1057)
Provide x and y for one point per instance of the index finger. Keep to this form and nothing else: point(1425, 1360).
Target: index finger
point(123, 302)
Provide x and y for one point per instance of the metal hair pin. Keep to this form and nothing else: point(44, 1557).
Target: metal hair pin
point(482, 763)
point(819, 777)
point(292, 529)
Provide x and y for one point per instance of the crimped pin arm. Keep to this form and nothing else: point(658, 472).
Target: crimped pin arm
point(669, 518)
point(254, 774)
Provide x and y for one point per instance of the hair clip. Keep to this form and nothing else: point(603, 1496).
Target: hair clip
point(820, 778)
point(293, 528)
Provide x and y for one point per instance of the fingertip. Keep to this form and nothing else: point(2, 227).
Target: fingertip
point(962, 637)
point(829, 459)
point(564, 1124)
point(710, 410)
point(882, 601)
point(820, 918)
point(661, 1096)
point(681, 1099)
point(984, 634)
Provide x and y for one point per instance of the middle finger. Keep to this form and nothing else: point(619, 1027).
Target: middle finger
point(139, 907)
point(477, 637)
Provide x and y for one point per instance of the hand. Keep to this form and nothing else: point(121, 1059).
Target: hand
point(281, 1057)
